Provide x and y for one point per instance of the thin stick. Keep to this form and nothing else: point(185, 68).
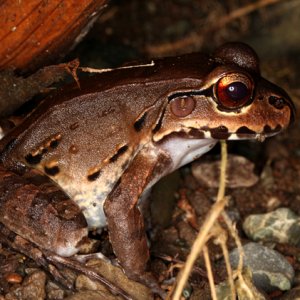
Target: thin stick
point(200, 241)
point(93, 70)
point(206, 227)
point(197, 38)
point(237, 240)
point(222, 243)
point(223, 166)
point(209, 273)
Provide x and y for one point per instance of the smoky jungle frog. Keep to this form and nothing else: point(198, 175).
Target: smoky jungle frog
point(107, 143)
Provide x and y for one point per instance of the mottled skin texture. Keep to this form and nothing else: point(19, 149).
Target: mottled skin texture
point(111, 140)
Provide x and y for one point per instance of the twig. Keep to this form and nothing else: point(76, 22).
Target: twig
point(196, 38)
point(223, 166)
point(221, 240)
point(99, 71)
point(204, 232)
point(209, 273)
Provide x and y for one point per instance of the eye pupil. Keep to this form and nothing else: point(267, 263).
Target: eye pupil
point(237, 91)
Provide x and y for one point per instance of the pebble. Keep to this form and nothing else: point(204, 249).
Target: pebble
point(13, 278)
point(240, 172)
point(270, 270)
point(33, 287)
point(281, 226)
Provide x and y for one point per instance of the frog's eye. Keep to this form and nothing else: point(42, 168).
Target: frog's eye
point(182, 106)
point(234, 90)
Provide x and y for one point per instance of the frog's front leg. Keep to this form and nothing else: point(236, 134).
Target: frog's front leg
point(125, 221)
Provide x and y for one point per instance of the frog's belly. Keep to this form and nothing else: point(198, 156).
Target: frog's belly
point(91, 203)
point(90, 197)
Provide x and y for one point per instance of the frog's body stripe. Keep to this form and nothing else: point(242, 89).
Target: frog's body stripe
point(140, 122)
point(159, 121)
point(93, 176)
point(51, 171)
point(119, 153)
point(33, 159)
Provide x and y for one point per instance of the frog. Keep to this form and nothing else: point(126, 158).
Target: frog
point(108, 142)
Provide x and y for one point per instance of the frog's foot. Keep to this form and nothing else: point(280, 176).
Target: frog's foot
point(150, 281)
point(52, 262)
point(70, 263)
point(146, 279)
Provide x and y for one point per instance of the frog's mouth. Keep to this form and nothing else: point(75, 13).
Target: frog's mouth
point(222, 133)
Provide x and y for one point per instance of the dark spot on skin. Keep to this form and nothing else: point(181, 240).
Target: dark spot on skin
point(73, 149)
point(120, 151)
point(94, 204)
point(52, 171)
point(159, 123)
point(277, 102)
point(74, 126)
point(33, 159)
point(139, 123)
point(54, 144)
point(268, 129)
point(93, 176)
point(244, 130)
point(219, 133)
point(196, 133)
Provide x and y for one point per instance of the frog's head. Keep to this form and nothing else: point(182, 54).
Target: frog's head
point(233, 101)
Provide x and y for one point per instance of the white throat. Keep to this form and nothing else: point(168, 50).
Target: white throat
point(183, 150)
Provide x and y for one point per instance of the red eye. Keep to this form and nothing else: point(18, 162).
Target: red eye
point(234, 90)
point(182, 106)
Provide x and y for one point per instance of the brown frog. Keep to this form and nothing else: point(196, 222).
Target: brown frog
point(108, 142)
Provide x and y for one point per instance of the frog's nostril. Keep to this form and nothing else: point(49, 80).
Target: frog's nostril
point(277, 102)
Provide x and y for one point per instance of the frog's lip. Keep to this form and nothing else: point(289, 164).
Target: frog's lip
point(222, 133)
point(249, 136)
point(244, 132)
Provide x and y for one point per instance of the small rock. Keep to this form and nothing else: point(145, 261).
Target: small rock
point(33, 287)
point(281, 226)
point(270, 269)
point(13, 278)
point(239, 172)
point(54, 291)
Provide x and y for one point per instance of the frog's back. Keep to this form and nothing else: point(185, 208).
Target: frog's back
point(85, 138)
